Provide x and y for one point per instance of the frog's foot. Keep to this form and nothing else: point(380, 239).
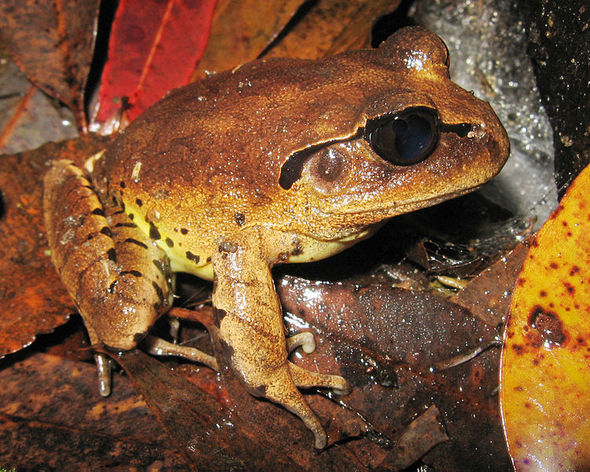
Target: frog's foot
point(306, 379)
point(305, 340)
point(282, 390)
point(159, 347)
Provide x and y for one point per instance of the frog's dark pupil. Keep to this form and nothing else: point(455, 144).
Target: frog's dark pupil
point(413, 136)
point(406, 138)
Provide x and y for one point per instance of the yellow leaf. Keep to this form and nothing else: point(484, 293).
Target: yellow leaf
point(545, 384)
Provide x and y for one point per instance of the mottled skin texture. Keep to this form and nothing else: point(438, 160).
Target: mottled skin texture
point(199, 174)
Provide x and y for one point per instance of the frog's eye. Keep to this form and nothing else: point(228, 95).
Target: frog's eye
point(405, 138)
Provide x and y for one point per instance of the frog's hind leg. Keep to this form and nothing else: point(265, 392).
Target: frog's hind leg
point(118, 278)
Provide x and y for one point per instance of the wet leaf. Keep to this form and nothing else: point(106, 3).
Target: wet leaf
point(220, 426)
point(32, 296)
point(211, 437)
point(404, 351)
point(422, 434)
point(28, 117)
point(154, 47)
point(332, 26)
point(52, 42)
point(52, 418)
point(545, 375)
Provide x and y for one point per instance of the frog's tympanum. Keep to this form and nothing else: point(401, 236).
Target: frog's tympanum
point(277, 161)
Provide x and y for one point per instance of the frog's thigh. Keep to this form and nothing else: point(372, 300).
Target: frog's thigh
point(118, 279)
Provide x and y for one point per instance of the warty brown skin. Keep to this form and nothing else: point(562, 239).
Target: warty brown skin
point(265, 164)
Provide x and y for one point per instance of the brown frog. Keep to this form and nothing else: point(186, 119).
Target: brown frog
point(277, 161)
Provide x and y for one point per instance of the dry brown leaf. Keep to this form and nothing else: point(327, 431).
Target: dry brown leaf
point(33, 298)
point(241, 30)
point(53, 42)
point(332, 26)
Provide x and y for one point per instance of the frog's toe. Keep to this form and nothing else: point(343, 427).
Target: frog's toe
point(304, 379)
point(103, 368)
point(159, 347)
point(285, 393)
point(305, 340)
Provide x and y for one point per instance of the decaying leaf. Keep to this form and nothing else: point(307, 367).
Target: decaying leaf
point(404, 351)
point(488, 295)
point(243, 31)
point(154, 47)
point(545, 365)
point(51, 418)
point(52, 42)
point(227, 427)
point(212, 436)
point(33, 298)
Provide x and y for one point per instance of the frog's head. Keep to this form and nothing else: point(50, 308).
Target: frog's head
point(413, 140)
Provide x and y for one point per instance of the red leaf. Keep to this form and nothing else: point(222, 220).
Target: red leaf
point(154, 47)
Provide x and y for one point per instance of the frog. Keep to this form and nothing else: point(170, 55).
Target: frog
point(277, 161)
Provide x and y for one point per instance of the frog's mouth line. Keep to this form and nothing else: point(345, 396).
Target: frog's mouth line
point(397, 209)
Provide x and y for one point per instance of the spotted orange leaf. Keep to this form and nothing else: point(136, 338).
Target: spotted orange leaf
point(545, 387)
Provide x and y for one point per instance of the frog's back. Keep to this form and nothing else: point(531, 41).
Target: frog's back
point(246, 122)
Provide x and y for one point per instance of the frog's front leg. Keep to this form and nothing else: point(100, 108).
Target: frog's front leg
point(249, 317)
point(119, 280)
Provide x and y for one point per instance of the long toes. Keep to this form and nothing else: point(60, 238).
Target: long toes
point(159, 347)
point(287, 395)
point(306, 379)
point(103, 368)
